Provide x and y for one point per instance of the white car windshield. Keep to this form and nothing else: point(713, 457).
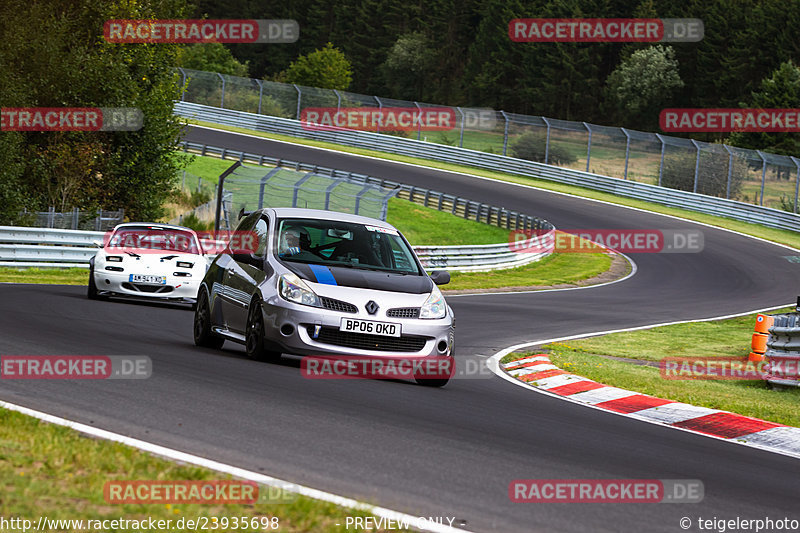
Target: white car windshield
point(153, 238)
point(344, 244)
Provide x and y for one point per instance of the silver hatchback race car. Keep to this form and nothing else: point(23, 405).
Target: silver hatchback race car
point(326, 284)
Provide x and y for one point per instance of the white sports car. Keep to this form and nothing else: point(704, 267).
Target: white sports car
point(153, 261)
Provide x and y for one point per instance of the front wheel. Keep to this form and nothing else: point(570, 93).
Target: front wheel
point(254, 341)
point(91, 291)
point(203, 336)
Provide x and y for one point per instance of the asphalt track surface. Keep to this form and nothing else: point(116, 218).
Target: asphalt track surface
point(429, 452)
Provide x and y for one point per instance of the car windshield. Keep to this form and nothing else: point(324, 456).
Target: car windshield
point(344, 244)
point(153, 238)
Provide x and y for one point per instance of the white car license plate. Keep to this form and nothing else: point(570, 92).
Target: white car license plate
point(148, 278)
point(387, 329)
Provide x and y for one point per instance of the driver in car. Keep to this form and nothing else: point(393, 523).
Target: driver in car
point(296, 242)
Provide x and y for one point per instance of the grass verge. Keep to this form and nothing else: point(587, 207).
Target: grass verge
point(51, 276)
point(53, 471)
point(591, 358)
point(789, 238)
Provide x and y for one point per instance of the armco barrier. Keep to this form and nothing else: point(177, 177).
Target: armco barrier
point(42, 247)
point(783, 348)
point(711, 205)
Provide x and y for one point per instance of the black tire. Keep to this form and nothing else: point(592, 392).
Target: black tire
point(203, 336)
point(254, 336)
point(431, 382)
point(91, 291)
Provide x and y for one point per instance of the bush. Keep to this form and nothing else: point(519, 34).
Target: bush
point(532, 146)
point(678, 174)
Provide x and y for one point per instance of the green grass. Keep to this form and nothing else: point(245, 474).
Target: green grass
point(789, 238)
point(555, 269)
point(52, 471)
point(427, 226)
point(720, 338)
point(53, 276)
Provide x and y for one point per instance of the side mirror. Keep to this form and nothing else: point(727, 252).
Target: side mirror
point(440, 277)
point(248, 259)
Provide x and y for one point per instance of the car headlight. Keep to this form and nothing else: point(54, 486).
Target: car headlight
point(184, 264)
point(114, 258)
point(434, 306)
point(294, 289)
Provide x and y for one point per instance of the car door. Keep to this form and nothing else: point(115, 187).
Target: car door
point(244, 275)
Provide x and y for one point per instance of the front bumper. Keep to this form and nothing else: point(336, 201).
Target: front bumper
point(292, 327)
point(118, 284)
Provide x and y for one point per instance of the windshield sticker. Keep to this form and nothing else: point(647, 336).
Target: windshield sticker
point(381, 230)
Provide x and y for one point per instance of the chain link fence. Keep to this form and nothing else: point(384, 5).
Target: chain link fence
point(713, 169)
point(76, 219)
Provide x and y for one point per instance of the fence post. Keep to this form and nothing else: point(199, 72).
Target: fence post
point(329, 190)
point(297, 185)
point(263, 184)
point(661, 165)
point(222, 101)
point(98, 220)
point(627, 150)
point(505, 132)
point(361, 193)
point(763, 174)
point(260, 93)
point(183, 83)
point(220, 192)
point(461, 139)
point(696, 165)
point(419, 122)
point(547, 142)
point(299, 97)
point(588, 146)
point(730, 171)
point(797, 182)
point(380, 114)
point(338, 100)
point(51, 217)
point(75, 218)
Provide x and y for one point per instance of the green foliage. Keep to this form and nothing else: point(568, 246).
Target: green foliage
point(68, 64)
point(211, 57)
point(191, 221)
point(641, 85)
point(327, 68)
point(408, 64)
point(781, 90)
point(678, 174)
point(533, 146)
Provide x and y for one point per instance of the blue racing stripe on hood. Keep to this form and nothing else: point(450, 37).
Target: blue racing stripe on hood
point(323, 274)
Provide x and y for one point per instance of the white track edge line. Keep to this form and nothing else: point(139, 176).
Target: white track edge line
point(263, 479)
point(493, 363)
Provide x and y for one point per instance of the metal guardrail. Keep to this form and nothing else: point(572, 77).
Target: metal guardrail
point(711, 205)
point(41, 247)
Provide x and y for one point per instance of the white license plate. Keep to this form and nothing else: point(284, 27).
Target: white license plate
point(148, 278)
point(387, 329)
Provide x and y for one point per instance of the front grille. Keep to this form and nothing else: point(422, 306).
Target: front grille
point(142, 287)
point(362, 341)
point(403, 312)
point(338, 305)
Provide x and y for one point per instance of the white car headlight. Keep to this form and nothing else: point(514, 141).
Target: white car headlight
point(114, 258)
point(434, 306)
point(294, 289)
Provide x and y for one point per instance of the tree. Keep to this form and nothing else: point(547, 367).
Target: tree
point(67, 63)
point(407, 65)
point(641, 85)
point(327, 68)
point(211, 57)
point(781, 90)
